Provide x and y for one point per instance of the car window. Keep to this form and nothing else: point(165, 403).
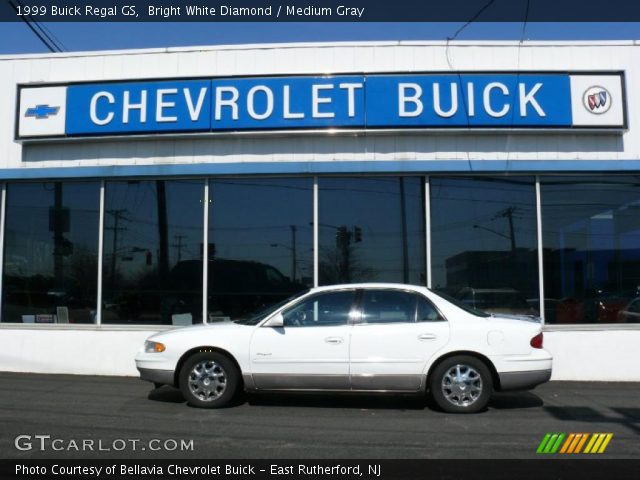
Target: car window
point(388, 306)
point(460, 304)
point(427, 312)
point(322, 309)
point(274, 277)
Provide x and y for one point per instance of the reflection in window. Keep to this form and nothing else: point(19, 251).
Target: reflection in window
point(371, 229)
point(591, 238)
point(388, 306)
point(153, 234)
point(484, 243)
point(321, 310)
point(260, 243)
point(51, 252)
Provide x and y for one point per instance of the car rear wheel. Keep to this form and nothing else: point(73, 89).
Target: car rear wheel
point(209, 380)
point(461, 384)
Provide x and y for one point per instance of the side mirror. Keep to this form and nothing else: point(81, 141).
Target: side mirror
point(275, 321)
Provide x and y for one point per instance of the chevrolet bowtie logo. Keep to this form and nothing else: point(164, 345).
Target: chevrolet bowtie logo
point(41, 111)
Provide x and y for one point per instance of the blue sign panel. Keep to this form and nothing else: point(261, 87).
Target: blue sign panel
point(484, 100)
point(349, 101)
point(140, 107)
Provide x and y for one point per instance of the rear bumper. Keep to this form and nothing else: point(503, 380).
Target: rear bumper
point(523, 380)
point(165, 377)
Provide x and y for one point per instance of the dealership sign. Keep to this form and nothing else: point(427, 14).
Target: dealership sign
point(354, 102)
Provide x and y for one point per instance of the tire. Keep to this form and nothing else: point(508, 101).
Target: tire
point(471, 395)
point(214, 388)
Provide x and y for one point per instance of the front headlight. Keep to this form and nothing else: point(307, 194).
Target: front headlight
point(153, 347)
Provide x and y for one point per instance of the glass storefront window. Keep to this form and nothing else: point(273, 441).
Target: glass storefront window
point(260, 243)
point(591, 239)
point(152, 267)
point(484, 243)
point(51, 252)
point(371, 230)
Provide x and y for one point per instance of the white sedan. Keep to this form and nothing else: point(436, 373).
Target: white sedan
point(372, 337)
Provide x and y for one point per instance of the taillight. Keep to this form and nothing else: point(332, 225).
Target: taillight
point(536, 342)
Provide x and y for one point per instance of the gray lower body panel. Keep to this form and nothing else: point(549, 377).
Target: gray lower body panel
point(409, 383)
point(164, 377)
point(523, 380)
point(365, 383)
point(300, 382)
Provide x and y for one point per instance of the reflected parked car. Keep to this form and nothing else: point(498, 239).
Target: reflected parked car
point(550, 308)
point(598, 306)
point(604, 307)
point(236, 287)
point(496, 300)
point(354, 338)
point(630, 313)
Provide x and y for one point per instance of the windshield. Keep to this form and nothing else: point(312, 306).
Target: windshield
point(459, 304)
point(256, 317)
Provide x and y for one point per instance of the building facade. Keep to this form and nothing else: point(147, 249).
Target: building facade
point(144, 190)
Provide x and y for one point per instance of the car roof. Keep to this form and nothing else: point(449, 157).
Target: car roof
point(370, 285)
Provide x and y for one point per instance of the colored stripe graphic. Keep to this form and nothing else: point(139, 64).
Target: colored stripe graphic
point(607, 439)
point(573, 443)
point(567, 442)
point(543, 443)
point(581, 443)
point(598, 443)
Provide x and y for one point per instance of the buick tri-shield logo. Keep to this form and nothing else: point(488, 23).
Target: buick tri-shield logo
point(597, 100)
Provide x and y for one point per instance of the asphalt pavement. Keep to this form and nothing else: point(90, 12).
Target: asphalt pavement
point(118, 417)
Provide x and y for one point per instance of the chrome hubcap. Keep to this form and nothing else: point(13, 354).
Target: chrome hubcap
point(207, 380)
point(462, 385)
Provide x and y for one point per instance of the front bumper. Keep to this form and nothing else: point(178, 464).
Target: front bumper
point(165, 377)
point(526, 380)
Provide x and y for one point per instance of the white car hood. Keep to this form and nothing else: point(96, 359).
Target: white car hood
point(191, 329)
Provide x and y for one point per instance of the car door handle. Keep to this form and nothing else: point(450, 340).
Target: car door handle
point(426, 336)
point(334, 340)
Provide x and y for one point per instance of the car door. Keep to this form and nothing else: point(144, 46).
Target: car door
point(311, 350)
point(397, 333)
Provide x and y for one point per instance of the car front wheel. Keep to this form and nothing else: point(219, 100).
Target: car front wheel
point(209, 380)
point(461, 384)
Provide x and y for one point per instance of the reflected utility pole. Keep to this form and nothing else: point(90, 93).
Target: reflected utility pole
point(294, 252)
point(178, 246)
point(117, 214)
point(294, 259)
point(163, 231)
point(508, 214)
point(58, 237)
